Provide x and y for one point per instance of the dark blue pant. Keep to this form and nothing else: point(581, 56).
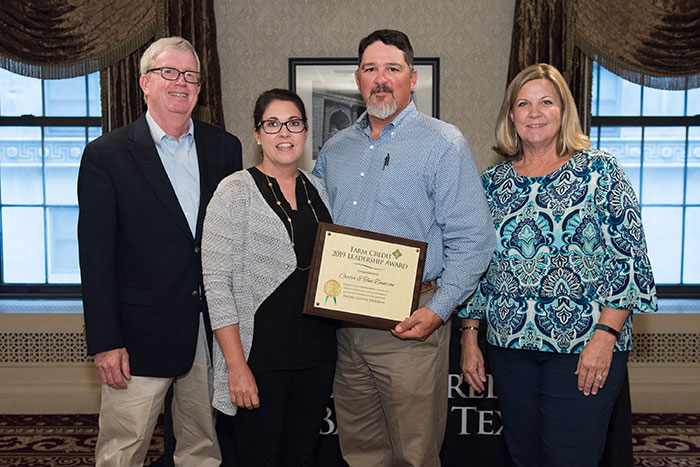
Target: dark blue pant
point(547, 421)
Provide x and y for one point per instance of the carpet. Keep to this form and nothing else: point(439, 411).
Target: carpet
point(666, 440)
point(69, 440)
point(56, 440)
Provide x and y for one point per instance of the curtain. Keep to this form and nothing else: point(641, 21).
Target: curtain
point(543, 33)
point(68, 38)
point(655, 43)
point(540, 35)
point(193, 20)
point(122, 99)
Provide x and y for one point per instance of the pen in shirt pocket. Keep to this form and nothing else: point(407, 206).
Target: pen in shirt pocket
point(386, 161)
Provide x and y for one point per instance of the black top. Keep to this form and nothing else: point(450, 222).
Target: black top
point(284, 338)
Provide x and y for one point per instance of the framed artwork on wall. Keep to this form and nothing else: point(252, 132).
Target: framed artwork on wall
point(327, 87)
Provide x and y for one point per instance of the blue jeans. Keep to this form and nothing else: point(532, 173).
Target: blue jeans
point(547, 421)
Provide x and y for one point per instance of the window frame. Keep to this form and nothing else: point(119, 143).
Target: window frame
point(641, 121)
point(46, 290)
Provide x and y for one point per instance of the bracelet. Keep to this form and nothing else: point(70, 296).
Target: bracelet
point(606, 328)
point(473, 328)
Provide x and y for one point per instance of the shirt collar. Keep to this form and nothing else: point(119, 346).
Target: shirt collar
point(157, 132)
point(362, 123)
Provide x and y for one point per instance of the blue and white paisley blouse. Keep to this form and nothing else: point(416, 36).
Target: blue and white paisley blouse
point(569, 243)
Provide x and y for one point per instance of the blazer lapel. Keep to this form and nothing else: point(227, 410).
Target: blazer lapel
point(144, 152)
point(207, 174)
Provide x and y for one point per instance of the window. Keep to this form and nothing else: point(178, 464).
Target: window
point(44, 126)
point(656, 136)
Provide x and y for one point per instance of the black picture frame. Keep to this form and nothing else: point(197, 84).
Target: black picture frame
point(327, 88)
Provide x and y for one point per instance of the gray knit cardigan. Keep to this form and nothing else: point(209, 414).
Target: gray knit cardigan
point(246, 255)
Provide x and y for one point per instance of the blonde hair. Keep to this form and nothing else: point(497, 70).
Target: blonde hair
point(149, 57)
point(570, 139)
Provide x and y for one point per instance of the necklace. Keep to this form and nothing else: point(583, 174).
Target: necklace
point(284, 211)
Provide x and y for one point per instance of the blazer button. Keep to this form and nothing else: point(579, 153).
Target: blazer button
point(196, 249)
point(195, 293)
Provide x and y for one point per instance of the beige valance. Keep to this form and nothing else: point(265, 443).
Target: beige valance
point(655, 43)
point(66, 38)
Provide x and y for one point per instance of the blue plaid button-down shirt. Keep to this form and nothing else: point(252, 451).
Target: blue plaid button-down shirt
point(418, 180)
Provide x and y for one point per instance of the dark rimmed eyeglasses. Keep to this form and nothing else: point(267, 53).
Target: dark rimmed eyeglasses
point(172, 74)
point(274, 126)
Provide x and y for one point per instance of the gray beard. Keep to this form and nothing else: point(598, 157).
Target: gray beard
point(382, 111)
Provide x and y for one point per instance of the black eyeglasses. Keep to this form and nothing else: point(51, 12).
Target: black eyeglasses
point(172, 74)
point(274, 126)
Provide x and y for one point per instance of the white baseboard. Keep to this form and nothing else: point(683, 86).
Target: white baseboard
point(665, 367)
point(654, 389)
point(49, 390)
point(665, 388)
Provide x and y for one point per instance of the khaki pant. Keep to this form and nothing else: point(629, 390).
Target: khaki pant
point(128, 417)
point(391, 397)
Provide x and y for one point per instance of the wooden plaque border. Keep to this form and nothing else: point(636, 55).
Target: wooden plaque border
point(356, 319)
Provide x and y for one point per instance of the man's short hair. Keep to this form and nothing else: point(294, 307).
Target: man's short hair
point(388, 37)
point(149, 57)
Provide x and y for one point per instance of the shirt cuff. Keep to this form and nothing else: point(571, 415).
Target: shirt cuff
point(442, 304)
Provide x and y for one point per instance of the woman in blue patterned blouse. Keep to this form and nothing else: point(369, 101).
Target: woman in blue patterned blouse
point(570, 268)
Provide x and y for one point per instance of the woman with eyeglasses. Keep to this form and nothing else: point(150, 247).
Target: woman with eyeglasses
point(273, 366)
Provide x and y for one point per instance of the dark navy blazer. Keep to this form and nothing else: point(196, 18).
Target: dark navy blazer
point(140, 265)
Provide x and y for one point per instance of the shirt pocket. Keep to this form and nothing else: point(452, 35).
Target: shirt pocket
point(401, 188)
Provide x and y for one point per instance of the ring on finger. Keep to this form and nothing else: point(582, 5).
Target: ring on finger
point(599, 378)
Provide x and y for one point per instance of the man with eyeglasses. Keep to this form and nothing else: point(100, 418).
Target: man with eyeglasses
point(143, 191)
point(399, 172)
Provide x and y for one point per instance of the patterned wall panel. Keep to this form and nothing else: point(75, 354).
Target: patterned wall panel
point(666, 348)
point(41, 348)
point(67, 348)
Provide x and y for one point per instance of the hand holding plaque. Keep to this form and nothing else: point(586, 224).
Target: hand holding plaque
point(362, 277)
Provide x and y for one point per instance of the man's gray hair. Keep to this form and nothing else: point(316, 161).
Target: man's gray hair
point(149, 57)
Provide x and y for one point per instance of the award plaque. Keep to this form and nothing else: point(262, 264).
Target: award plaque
point(364, 278)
